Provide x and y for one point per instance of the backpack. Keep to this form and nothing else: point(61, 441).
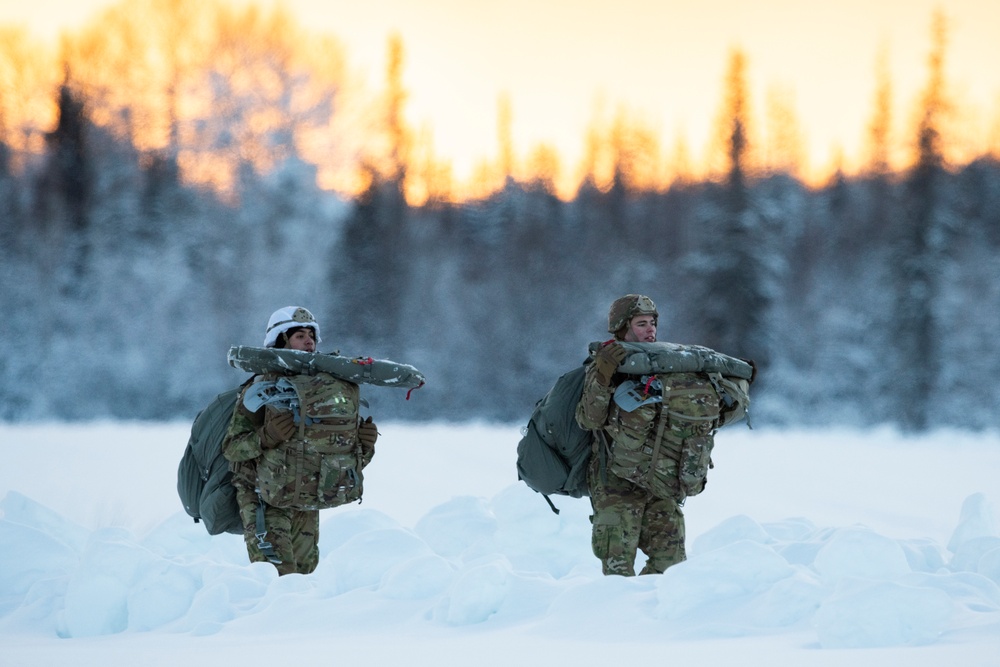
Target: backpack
point(320, 467)
point(554, 451)
point(699, 391)
point(203, 476)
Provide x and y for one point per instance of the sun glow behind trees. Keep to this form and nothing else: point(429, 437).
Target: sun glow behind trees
point(102, 222)
point(218, 88)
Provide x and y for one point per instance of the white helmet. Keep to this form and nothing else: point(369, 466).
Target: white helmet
point(287, 318)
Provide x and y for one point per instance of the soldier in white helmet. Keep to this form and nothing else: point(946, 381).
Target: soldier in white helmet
point(290, 461)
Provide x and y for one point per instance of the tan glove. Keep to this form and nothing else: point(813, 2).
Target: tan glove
point(367, 433)
point(607, 360)
point(278, 427)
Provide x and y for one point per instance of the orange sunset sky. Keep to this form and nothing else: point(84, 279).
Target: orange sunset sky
point(564, 63)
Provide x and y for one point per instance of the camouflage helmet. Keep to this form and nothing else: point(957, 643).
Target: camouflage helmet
point(289, 317)
point(626, 307)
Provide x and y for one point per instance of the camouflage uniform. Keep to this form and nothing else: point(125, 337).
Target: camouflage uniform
point(293, 531)
point(627, 517)
point(293, 534)
point(644, 463)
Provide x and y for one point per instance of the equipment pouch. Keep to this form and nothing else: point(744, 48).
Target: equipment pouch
point(607, 539)
point(339, 480)
point(294, 475)
point(695, 460)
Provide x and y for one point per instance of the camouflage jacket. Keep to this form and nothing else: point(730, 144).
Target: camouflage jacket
point(242, 444)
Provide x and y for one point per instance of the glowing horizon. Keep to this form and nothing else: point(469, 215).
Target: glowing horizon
point(567, 65)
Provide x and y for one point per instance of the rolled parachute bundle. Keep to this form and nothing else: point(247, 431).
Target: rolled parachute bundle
point(664, 357)
point(359, 370)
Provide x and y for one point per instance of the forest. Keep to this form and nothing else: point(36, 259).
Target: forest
point(163, 190)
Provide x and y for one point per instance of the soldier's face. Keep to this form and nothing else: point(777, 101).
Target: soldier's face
point(304, 339)
point(642, 329)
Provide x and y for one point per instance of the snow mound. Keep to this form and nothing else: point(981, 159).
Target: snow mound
point(471, 561)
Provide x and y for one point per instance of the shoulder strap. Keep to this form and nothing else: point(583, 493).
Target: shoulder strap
point(265, 547)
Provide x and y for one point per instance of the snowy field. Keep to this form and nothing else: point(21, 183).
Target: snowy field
point(807, 548)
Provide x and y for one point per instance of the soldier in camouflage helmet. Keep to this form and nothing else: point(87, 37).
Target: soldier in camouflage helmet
point(624, 309)
point(279, 527)
point(627, 516)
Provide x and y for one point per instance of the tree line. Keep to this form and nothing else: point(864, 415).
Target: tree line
point(871, 299)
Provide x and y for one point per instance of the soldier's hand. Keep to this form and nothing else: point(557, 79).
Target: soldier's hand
point(753, 369)
point(607, 360)
point(278, 427)
point(367, 433)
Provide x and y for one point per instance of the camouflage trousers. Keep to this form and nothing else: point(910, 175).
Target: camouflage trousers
point(627, 518)
point(293, 534)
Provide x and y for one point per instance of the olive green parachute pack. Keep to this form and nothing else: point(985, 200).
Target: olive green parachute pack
point(203, 475)
point(554, 451)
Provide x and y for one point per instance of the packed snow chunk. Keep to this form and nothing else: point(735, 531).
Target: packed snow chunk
point(989, 565)
point(858, 552)
point(210, 609)
point(869, 614)
point(970, 552)
point(40, 611)
point(163, 593)
point(802, 549)
point(517, 504)
point(476, 594)
point(245, 584)
point(114, 551)
point(179, 537)
point(737, 570)
point(974, 521)
point(295, 585)
point(786, 603)
point(790, 530)
point(344, 523)
point(733, 529)
point(534, 538)
point(923, 555)
point(96, 604)
point(417, 578)
point(968, 590)
point(97, 596)
point(226, 592)
point(453, 527)
point(29, 555)
point(18, 508)
point(594, 606)
point(363, 560)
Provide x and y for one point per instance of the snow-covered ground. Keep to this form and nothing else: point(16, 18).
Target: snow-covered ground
point(807, 548)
